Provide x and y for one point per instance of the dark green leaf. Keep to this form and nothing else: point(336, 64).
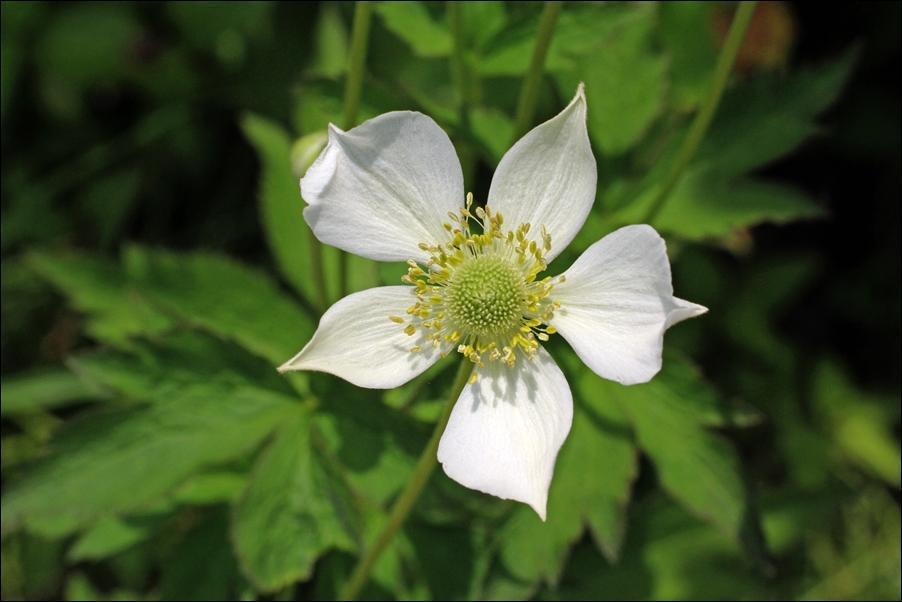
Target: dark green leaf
point(293, 510)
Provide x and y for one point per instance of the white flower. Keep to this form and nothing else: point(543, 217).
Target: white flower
point(391, 189)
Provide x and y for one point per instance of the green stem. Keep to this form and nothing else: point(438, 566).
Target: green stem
point(703, 119)
point(461, 75)
point(360, 31)
point(316, 256)
point(529, 93)
point(356, 63)
point(404, 504)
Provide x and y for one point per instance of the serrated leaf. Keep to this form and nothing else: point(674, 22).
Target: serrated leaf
point(100, 288)
point(376, 445)
point(224, 297)
point(698, 468)
point(42, 390)
point(157, 371)
point(116, 461)
point(294, 509)
point(703, 207)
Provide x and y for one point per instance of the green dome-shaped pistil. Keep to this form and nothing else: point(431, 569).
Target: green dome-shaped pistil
point(479, 292)
point(486, 296)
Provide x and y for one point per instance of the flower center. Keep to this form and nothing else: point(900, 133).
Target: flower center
point(479, 292)
point(486, 296)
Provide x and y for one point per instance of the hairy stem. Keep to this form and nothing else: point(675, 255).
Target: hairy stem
point(404, 504)
point(706, 113)
point(526, 105)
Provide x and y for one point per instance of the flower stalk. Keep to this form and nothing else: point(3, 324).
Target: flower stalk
point(360, 31)
point(404, 504)
point(526, 105)
point(706, 113)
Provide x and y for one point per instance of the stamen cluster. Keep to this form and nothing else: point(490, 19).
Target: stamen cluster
point(479, 290)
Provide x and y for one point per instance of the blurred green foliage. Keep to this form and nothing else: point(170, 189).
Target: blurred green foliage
point(150, 450)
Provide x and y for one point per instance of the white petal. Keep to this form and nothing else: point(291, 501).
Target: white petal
point(506, 429)
point(358, 342)
point(616, 303)
point(548, 177)
point(383, 187)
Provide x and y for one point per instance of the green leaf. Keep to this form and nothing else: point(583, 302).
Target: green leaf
point(42, 390)
point(376, 445)
point(109, 537)
point(581, 496)
point(699, 208)
point(223, 297)
point(625, 83)
point(201, 566)
point(281, 207)
point(159, 371)
point(703, 206)
point(581, 32)
point(100, 288)
point(698, 468)
point(768, 117)
point(210, 488)
point(858, 423)
point(112, 462)
point(493, 129)
point(412, 22)
point(281, 210)
point(294, 509)
point(686, 32)
point(670, 556)
point(331, 42)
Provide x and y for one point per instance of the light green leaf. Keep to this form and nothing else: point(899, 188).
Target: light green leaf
point(109, 536)
point(698, 468)
point(43, 389)
point(281, 207)
point(117, 461)
point(281, 210)
point(210, 488)
point(625, 83)
point(293, 510)
point(858, 423)
point(412, 22)
point(582, 30)
point(224, 297)
point(493, 129)
point(100, 288)
point(331, 42)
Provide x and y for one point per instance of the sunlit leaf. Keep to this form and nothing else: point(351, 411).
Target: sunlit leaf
point(116, 461)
